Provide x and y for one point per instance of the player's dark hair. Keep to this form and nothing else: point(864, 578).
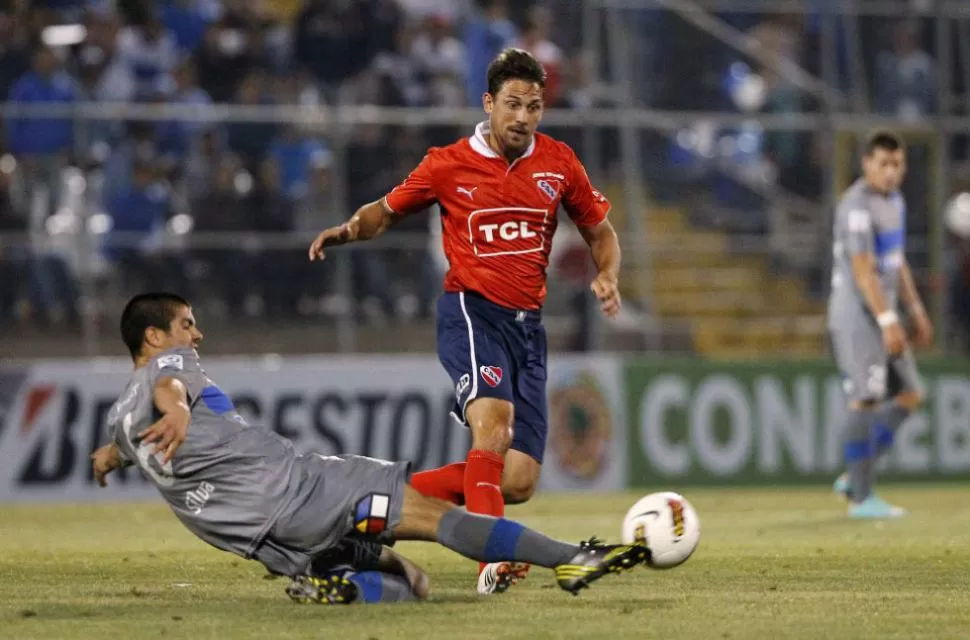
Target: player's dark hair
point(514, 64)
point(148, 310)
point(886, 140)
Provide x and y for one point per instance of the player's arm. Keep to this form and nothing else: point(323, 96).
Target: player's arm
point(415, 194)
point(861, 249)
point(171, 398)
point(604, 248)
point(370, 221)
point(588, 208)
point(922, 327)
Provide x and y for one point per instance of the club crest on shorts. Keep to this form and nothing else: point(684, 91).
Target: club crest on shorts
point(491, 375)
point(370, 514)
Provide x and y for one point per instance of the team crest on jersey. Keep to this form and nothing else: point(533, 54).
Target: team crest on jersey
point(370, 514)
point(548, 189)
point(491, 375)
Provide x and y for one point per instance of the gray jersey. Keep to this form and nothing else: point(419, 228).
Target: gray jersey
point(228, 481)
point(865, 222)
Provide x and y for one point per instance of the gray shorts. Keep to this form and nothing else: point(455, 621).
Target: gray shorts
point(333, 497)
point(869, 374)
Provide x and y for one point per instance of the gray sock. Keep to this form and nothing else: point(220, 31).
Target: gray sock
point(858, 450)
point(488, 539)
point(889, 417)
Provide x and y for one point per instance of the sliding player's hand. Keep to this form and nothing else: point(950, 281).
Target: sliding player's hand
point(168, 433)
point(104, 461)
point(607, 291)
point(332, 237)
point(922, 329)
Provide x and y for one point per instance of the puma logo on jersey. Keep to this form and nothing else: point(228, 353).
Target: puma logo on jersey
point(468, 192)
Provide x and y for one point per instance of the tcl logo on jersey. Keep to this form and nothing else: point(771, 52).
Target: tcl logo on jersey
point(491, 375)
point(507, 231)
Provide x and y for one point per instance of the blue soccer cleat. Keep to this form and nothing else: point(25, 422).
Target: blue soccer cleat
point(875, 508)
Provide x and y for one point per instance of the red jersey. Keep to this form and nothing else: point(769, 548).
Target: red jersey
point(498, 219)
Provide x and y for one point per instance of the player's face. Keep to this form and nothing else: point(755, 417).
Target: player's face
point(885, 169)
point(182, 332)
point(514, 113)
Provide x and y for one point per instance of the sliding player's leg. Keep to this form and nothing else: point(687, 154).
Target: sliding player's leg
point(489, 539)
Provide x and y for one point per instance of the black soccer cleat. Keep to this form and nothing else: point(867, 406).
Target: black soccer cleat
point(596, 560)
point(332, 588)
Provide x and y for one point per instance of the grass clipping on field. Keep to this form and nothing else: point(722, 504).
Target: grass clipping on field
point(779, 563)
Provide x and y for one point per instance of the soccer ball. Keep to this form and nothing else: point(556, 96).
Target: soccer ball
point(667, 524)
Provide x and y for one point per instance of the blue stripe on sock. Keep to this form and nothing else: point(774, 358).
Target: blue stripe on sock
point(502, 540)
point(857, 450)
point(883, 436)
point(370, 585)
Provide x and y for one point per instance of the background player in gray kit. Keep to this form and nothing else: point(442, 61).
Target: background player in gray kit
point(870, 277)
point(244, 489)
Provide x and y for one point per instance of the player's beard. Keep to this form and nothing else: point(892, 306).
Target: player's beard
point(517, 141)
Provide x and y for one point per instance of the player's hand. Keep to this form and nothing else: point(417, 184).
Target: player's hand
point(168, 433)
point(894, 339)
point(332, 237)
point(607, 291)
point(922, 328)
point(104, 461)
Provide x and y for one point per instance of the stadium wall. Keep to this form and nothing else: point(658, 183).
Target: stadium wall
point(614, 422)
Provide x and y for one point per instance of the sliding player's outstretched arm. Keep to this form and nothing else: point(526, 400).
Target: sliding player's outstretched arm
point(415, 194)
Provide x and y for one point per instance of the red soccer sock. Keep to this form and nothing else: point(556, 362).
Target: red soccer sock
point(483, 484)
point(444, 483)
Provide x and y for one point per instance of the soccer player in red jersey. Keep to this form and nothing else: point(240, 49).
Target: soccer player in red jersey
point(499, 192)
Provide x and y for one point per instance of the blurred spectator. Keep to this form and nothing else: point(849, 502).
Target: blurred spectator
point(369, 177)
point(175, 138)
point(782, 35)
point(188, 20)
point(14, 56)
point(41, 144)
point(440, 57)
point(138, 217)
point(401, 74)
point(149, 50)
point(486, 34)
point(906, 76)
point(535, 40)
point(251, 139)
point(137, 146)
point(221, 209)
point(105, 75)
point(294, 157)
point(231, 49)
point(338, 40)
point(198, 173)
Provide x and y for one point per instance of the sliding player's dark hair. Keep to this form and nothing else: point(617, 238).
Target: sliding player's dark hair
point(886, 140)
point(148, 310)
point(514, 64)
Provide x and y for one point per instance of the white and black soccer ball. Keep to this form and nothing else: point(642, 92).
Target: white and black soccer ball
point(667, 524)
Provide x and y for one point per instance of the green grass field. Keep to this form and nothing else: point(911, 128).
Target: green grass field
point(772, 564)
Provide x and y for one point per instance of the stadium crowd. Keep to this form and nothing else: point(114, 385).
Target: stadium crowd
point(132, 182)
